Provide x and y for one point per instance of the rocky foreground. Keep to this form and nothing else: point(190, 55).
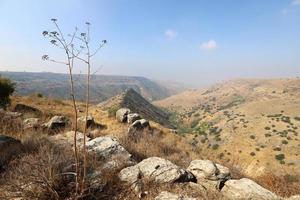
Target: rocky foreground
point(202, 176)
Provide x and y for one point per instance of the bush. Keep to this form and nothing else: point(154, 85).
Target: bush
point(284, 142)
point(252, 154)
point(215, 146)
point(252, 137)
point(280, 157)
point(39, 95)
point(7, 87)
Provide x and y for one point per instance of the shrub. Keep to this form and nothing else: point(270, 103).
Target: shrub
point(7, 87)
point(252, 154)
point(39, 95)
point(267, 128)
point(280, 157)
point(252, 137)
point(284, 142)
point(215, 146)
point(267, 135)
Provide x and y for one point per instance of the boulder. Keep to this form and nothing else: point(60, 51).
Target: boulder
point(90, 122)
point(56, 122)
point(132, 117)
point(246, 189)
point(136, 128)
point(22, 108)
point(31, 123)
point(9, 149)
point(154, 168)
point(170, 196)
point(209, 174)
point(109, 150)
point(121, 114)
point(11, 115)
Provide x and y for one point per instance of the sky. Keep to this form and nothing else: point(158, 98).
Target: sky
point(195, 42)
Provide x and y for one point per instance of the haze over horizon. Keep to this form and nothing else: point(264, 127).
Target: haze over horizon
point(199, 42)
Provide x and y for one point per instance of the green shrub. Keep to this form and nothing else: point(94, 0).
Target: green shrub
point(267, 128)
point(280, 157)
point(215, 146)
point(284, 142)
point(252, 137)
point(268, 135)
point(7, 87)
point(252, 154)
point(39, 95)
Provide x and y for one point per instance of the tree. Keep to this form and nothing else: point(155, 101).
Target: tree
point(7, 87)
point(76, 48)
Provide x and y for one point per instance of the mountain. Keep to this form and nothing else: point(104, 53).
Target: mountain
point(102, 86)
point(251, 121)
point(136, 103)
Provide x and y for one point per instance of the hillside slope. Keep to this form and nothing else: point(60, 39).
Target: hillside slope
point(253, 122)
point(102, 86)
point(136, 103)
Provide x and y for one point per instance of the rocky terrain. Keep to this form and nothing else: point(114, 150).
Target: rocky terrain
point(102, 86)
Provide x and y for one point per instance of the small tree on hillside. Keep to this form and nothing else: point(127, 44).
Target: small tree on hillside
point(7, 87)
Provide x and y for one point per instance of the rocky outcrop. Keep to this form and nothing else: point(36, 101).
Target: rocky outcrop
point(56, 122)
point(156, 169)
point(9, 149)
point(170, 196)
point(132, 117)
point(22, 108)
point(89, 122)
point(121, 114)
point(209, 174)
point(246, 189)
point(110, 151)
point(31, 123)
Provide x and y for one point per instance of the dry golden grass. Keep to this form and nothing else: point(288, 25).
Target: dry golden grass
point(161, 142)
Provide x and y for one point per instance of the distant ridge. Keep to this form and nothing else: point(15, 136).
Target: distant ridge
point(136, 103)
point(102, 86)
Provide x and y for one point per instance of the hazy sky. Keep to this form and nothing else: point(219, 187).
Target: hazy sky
point(194, 42)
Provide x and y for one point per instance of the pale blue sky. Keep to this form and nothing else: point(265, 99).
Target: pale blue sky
point(194, 42)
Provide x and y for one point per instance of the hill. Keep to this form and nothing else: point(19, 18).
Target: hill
point(136, 103)
point(252, 122)
point(102, 86)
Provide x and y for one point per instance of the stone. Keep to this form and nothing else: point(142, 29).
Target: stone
point(90, 122)
point(9, 149)
point(121, 114)
point(56, 122)
point(209, 174)
point(246, 189)
point(109, 150)
point(132, 117)
point(22, 108)
point(154, 168)
point(31, 123)
point(170, 196)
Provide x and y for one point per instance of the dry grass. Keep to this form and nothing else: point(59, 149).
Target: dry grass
point(42, 162)
point(283, 186)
